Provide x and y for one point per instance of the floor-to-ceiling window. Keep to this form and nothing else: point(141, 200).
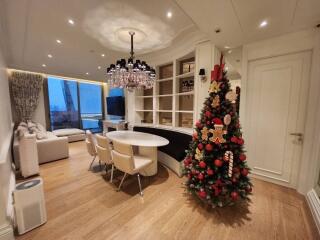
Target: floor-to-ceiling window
point(63, 103)
point(91, 114)
point(75, 104)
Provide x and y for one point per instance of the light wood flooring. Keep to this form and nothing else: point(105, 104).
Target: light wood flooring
point(82, 204)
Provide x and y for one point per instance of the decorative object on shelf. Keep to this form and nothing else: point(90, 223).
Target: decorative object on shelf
point(187, 85)
point(202, 74)
point(215, 163)
point(131, 75)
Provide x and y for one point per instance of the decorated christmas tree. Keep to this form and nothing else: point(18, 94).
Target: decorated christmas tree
point(215, 164)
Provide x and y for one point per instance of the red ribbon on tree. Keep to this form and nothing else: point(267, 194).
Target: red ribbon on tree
point(216, 73)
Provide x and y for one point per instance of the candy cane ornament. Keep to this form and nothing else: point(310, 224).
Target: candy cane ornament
point(228, 156)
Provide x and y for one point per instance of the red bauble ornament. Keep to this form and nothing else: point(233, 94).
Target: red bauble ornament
point(189, 175)
point(242, 157)
point(234, 139)
point(202, 164)
point(208, 114)
point(217, 121)
point(200, 146)
point(209, 147)
point(202, 194)
point(210, 172)
point(208, 122)
point(240, 141)
point(236, 170)
point(234, 195)
point(244, 172)
point(234, 180)
point(248, 189)
point(200, 176)
point(218, 163)
point(195, 135)
point(199, 124)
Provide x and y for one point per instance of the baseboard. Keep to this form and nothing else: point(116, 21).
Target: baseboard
point(6, 232)
point(314, 205)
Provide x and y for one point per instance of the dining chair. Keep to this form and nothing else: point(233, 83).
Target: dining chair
point(104, 152)
point(91, 147)
point(124, 160)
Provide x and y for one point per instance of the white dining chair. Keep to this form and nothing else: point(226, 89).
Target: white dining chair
point(104, 152)
point(91, 147)
point(124, 160)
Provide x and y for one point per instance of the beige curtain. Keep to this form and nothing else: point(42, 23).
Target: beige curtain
point(25, 90)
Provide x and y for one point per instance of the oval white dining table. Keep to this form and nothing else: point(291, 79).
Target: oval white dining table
point(147, 146)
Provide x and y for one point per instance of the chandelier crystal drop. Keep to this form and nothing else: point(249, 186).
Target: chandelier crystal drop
point(130, 74)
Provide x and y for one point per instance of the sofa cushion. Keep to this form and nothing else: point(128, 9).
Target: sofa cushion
point(67, 132)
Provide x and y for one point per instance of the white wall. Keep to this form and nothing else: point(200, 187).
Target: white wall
point(6, 174)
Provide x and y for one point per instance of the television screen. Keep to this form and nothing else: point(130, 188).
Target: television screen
point(115, 106)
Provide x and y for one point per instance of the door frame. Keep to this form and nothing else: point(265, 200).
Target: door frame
point(308, 40)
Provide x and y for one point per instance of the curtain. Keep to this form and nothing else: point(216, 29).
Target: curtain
point(25, 90)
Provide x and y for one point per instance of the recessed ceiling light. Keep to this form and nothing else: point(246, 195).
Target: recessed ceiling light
point(263, 23)
point(226, 47)
point(230, 51)
point(49, 56)
point(71, 22)
point(87, 73)
point(169, 14)
point(99, 67)
point(227, 68)
point(58, 41)
point(103, 55)
point(43, 65)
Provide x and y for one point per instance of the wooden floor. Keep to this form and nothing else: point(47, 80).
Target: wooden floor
point(82, 205)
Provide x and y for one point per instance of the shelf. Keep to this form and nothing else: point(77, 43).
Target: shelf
point(165, 95)
point(149, 96)
point(185, 75)
point(184, 111)
point(169, 111)
point(165, 79)
point(185, 93)
point(138, 110)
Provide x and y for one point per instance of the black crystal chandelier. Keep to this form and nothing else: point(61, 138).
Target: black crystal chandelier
point(131, 74)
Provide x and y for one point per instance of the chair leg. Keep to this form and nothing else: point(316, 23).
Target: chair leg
point(91, 163)
point(141, 193)
point(124, 176)
point(111, 178)
point(100, 165)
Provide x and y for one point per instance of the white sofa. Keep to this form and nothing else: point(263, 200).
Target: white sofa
point(49, 149)
point(73, 134)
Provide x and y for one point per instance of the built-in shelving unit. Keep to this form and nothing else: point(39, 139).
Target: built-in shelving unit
point(171, 102)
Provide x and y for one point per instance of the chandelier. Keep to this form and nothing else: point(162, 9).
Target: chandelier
point(131, 75)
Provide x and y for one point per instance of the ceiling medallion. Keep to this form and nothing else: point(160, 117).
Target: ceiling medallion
point(131, 75)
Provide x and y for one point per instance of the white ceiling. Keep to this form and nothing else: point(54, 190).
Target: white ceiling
point(239, 20)
point(32, 27)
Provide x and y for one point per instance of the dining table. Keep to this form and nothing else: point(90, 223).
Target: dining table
point(147, 145)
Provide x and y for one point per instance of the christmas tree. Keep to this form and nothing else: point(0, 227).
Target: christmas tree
point(215, 164)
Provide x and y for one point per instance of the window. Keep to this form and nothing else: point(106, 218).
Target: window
point(75, 105)
point(63, 103)
point(91, 106)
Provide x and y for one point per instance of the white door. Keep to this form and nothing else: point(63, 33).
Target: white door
point(277, 93)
